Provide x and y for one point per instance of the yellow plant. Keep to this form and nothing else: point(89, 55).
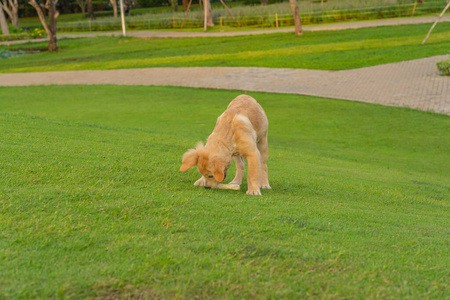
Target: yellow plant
point(37, 33)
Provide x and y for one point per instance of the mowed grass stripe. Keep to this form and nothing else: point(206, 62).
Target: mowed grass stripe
point(314, 50)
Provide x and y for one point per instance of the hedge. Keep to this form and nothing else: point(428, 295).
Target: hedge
point(444, 67)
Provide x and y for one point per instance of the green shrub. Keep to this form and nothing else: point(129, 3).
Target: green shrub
point(21, 34)
point(13, 37)
point(15, 30)
point(444, 67)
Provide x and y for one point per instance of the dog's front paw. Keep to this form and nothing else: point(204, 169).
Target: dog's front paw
point(254, 193)
point(236, 182)
point(200, 182)
point(266, 187)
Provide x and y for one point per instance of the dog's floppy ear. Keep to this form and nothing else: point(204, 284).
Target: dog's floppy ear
point(219, 176)
point(219, 172)
point(190, 158)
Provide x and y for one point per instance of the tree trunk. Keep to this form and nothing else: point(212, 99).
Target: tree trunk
point(174, 4)
point(40, 15)
point(82, 5)
point(296, 15)
point(114, 6)
point(11, 7)
point(49, 28)
point(3, 24)
point(52, 15)
point(52, 43)
point(209, 20)
point(15, 12)
point(90, 9)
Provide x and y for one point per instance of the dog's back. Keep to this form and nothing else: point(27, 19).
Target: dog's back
point(247, 106)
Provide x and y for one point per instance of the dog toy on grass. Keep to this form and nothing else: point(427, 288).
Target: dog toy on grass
point(229, 187)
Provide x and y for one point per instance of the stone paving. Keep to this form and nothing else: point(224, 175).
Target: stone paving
point(415, 84)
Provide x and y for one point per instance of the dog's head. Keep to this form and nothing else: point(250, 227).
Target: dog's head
point(212, 166)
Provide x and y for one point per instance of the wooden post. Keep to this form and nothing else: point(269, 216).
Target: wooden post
point(432, 27)
point(276, 20)
point(414, 9)
point(185, 14)
point(228, 10)
point(206, 15)
point(122, 16)
point(296, 15)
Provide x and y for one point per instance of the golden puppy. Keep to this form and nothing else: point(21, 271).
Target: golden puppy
point(241, 131)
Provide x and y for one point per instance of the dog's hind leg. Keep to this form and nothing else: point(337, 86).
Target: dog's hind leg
point(264, 150)
point(240, 167)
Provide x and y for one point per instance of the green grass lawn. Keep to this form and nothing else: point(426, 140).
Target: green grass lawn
point(92, 204)
point(327, 50)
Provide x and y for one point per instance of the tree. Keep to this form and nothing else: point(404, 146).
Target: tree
point(50, 6)
point(90, 9)
point(114, 6)
point(296, 14)
point(3, 24)
point(209, 16)
point(82, 5)
point(174, 4)
point(11, 7)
